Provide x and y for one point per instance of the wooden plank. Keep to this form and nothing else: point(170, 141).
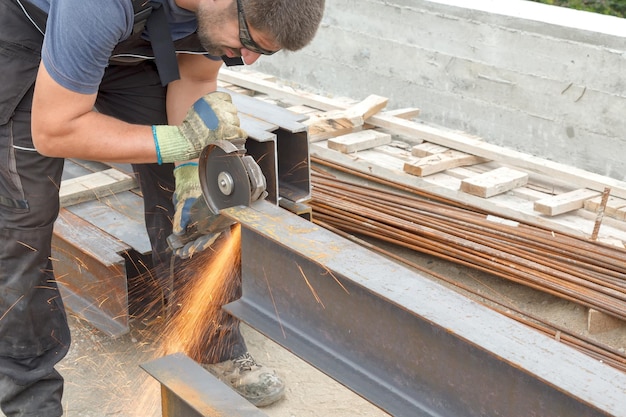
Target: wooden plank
point(365, 109)
point(427, 149)
point(406, 113)
point(494, 182)
point(93, 186)
point(77, 168)
point(359, 141)
point(563, 203)
point(300, 109)
point(615, 207)
point(322, 128)
point(599, 322)
point(396, 151)
point(577, 177)
point(440, 162)
point(235, 88)
point(342, 122)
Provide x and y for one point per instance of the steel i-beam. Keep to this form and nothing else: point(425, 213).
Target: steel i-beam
point(188, 390)
point(400, 340)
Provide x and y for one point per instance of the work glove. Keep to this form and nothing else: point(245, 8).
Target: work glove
point(187, 191)
point(213, 117)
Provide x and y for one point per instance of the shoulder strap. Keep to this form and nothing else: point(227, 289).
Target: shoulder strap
point(142, 10)
point(162, 45)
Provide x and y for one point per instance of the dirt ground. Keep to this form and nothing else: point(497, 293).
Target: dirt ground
point(103, 378)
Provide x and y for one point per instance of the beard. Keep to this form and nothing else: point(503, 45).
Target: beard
point(208, 23)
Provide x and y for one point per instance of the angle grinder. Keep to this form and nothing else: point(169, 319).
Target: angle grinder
point(228, 178)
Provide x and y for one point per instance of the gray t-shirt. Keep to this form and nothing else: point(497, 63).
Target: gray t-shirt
point(81, 34)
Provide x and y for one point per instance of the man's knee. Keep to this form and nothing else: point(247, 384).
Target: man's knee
point(41, 398)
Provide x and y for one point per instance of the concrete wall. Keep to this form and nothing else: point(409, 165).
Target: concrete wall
point(540, 79)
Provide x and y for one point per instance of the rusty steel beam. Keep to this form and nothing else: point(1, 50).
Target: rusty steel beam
point(402, 341)
point(91, 273)
point(188, 390)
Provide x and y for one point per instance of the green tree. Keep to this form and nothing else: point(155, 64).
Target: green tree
point(609, 7)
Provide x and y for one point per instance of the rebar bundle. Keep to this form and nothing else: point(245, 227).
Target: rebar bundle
point(587, 273)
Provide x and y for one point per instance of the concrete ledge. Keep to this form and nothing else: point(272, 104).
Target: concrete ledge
point(540, 79)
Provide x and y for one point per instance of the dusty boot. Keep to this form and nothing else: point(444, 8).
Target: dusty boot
point(256, 383)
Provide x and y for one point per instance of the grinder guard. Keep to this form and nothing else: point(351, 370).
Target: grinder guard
point(228, 178)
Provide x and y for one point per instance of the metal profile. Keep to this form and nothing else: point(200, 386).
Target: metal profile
point(188, 390)
point(405, 343)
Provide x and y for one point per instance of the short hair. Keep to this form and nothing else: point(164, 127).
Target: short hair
point(293, 23)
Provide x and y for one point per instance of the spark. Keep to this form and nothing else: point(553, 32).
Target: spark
point(27, 246)
point(336, 279)
point(11, 308)
point(317, 298)
point(282, 329)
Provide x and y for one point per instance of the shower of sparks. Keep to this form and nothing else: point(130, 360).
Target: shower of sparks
point(209, 281)
point(212, 282)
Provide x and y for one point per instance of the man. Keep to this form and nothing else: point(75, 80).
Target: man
point(151, 113)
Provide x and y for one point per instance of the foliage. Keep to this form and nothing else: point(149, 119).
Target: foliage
point(610, 7)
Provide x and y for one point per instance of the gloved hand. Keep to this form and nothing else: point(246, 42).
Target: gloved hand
point(198, 245)
point(213, 117)
point(187, 191)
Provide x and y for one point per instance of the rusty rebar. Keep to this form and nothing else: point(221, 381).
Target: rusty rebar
point(580, 271)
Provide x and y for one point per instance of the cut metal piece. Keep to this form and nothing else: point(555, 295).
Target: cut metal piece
point(188, 390)
point(400, 340)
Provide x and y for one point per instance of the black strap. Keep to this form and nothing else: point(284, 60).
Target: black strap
point(162, 45)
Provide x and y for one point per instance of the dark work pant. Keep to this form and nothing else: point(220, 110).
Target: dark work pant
point(33, 327)
point(34, 334)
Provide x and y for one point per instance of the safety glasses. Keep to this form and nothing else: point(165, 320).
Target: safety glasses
point(244, 34)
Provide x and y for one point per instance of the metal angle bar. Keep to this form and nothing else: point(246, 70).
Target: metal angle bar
point(188, 390)
point(294, 165)
point(402, 341)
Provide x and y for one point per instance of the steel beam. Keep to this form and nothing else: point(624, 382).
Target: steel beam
point(402, 341)
point(188, 390)
point(91, 272)
point(292, 145)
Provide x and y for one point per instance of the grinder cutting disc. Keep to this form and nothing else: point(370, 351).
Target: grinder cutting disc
point(223, 176)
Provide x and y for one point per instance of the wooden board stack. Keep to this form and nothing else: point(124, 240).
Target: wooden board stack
point(451, 164)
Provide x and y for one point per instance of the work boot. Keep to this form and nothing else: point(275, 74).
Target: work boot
point(256, 383)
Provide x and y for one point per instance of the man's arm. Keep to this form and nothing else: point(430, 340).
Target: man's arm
point(198, 76)
point(65, 125)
